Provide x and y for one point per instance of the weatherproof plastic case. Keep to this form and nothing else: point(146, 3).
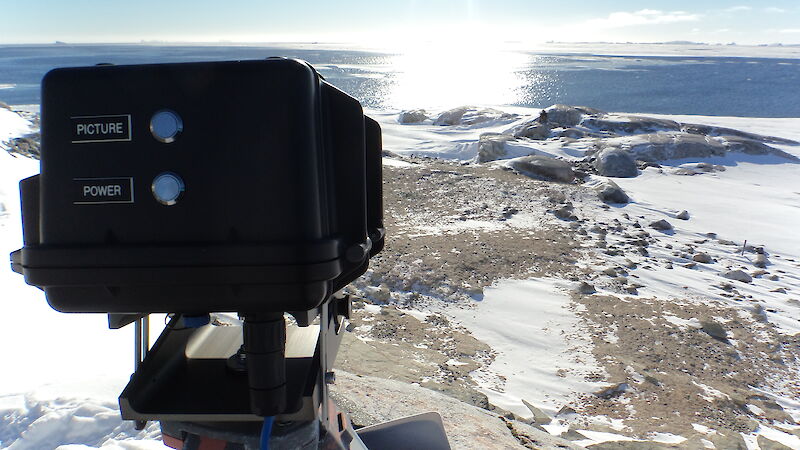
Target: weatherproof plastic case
point(281, 189)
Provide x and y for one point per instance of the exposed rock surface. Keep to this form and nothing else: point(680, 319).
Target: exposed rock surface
point(709, 130)
point(26, 146)
point(625, 124)
point(566, 116)
point(544, 168)
point(610, 192)
point(539, 417)
point(664, 146)
point(585, 288)
point(412, 116)
point(614, 162)
point(371, 400)
point(470, 115)
point(768, 444)
point(761, 260)
point(630, 445)
point(532, 130)
point(492, 146)
point(702, 258)
point(618, 144)
point(738, 275)
point(661, 225)
point(715, 330)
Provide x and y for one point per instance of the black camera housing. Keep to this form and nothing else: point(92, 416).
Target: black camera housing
point(282, 201)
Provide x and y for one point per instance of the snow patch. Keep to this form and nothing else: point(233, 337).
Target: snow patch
point(543, 353)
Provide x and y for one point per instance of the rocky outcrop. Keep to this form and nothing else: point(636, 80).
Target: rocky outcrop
point(566, 116)
point(664, 146)
point(371, 400)
point(470, 115)
point(543, 167)
point(753, 147)
point(532, 130)
point(26, 146)
point(624, 124)
point(708, 130)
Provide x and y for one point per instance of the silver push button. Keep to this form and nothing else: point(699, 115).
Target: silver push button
point(166, 126)
point(167, 187)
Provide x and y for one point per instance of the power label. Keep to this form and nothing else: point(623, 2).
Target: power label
point(96, 191)
point(88, 129)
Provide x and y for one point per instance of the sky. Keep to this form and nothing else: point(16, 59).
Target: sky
point(369, 22)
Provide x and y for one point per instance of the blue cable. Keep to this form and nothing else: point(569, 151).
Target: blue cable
point(266, 431)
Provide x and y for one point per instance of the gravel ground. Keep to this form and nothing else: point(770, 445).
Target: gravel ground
point(453, 229)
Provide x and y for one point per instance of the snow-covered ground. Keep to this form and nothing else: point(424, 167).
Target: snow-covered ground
point(754, 198)
point(62, 373)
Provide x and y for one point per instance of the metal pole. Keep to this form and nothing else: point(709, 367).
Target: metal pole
point(137, 349)
point(145, 336)
point(323, 362)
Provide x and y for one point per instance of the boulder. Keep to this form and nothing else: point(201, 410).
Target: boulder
point(661, 225)
point(610, 192)
point(412, 116)
point(761, 260)
point(549, 169)
point(584, 288)
point(714, 330)
point(565, 213)
point(683, 215)
point(539, 417)
point(615, 162)
point(702, 258)
point(738, 275)
point(492, 146)
point(614, 390)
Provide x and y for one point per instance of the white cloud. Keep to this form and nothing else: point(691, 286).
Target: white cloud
point(739, 8)
point(790, 30)
point(642, 17)
point(773, 9)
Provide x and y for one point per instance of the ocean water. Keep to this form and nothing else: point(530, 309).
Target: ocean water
point(445, 78)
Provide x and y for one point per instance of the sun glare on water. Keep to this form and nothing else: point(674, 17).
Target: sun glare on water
point(439, 75)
